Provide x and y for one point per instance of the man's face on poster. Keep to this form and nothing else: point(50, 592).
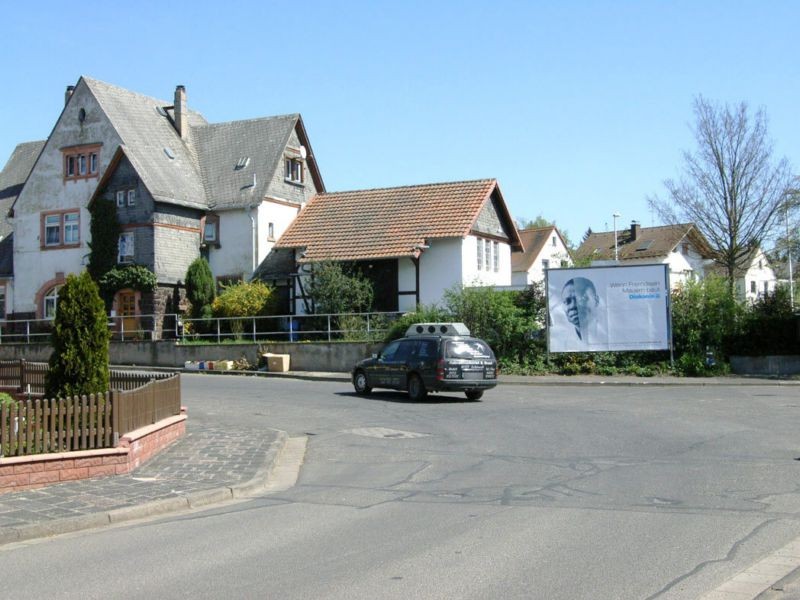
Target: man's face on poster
point(580, 300)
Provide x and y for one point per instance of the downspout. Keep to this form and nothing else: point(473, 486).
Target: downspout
point(253, 236)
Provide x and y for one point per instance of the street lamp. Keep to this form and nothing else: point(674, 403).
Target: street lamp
point(616, 249)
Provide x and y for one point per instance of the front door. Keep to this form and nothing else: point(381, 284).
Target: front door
point(126, 309)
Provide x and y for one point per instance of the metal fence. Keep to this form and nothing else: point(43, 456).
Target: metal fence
point(292, 328)
point(38, 425)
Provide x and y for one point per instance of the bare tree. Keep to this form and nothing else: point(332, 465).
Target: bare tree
point(731, 188)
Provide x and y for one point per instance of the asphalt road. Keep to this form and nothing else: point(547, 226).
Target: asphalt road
point(534, 492)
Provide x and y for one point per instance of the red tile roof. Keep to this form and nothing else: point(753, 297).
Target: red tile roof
point(534, 240)
point(390, 222)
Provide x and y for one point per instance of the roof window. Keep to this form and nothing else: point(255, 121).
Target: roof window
point(645, 245)
point(242, 163)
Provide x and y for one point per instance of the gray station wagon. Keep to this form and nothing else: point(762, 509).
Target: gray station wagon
point(432, 357)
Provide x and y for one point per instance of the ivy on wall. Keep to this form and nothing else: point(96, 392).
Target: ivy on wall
point(135, 277)
point(105, 230)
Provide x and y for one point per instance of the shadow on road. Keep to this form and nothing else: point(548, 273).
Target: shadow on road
point(402, 398)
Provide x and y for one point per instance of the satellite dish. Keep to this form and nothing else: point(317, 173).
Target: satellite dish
point(303, 152)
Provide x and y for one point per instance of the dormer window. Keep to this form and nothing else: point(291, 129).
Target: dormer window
point(293, 170)
point(81, 162)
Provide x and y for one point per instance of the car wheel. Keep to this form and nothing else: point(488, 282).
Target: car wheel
point(416, 389)
point(360, 383)
point(474, 394)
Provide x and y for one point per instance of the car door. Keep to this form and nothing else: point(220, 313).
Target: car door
point(380, 373)
point(426, 355)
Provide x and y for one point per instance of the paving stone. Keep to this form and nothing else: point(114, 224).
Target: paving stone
point(205, 458)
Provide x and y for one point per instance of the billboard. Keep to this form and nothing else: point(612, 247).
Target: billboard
point(608, 308)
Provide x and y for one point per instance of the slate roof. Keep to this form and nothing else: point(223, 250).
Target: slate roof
point(390, 222)
point(221, 146)
point(533, 239)
point(148, 136)
point(13, 176)
point(651, 242)
point(201, 172)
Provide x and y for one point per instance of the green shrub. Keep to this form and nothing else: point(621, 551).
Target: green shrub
point(79, 362)
point(337, 288)
point(200, 287)
point(495, 317)
point(423, 314)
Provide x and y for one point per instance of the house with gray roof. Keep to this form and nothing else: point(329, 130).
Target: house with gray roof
point(681, 246)
point(182, 188)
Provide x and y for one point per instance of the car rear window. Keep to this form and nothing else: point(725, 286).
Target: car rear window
point(468, 349)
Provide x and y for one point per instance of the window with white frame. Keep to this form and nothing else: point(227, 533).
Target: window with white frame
point(120, 198)
point(545, 264)
point(50, 302)
point(271, 232)
point(554, 240)
point(52, 230)
point(72, 228)
point(480, 254)
point(487, 254)
point(293, 170)
point(125, 253)
point(131, 197)
point(496, 256)
point(753, 287)
point(60, 229)
point(2, 301)
point(81, 162)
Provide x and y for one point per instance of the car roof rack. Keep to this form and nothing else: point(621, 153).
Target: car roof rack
point(437, 329)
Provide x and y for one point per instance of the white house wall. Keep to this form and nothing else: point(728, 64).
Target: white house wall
point(762, 275)
point(47, 190)
point(554, 254)
point(471, 276)
point(281, 216)
point(406, 282)
point(234, 257)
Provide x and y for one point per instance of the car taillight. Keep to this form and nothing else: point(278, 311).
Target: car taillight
point(440, 370)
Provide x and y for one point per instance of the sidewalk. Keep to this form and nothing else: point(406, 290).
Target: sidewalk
point(206, 466)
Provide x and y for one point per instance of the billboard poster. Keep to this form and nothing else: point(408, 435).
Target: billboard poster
point(600, 309)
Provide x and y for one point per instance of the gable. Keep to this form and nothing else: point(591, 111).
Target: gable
point(489, 222)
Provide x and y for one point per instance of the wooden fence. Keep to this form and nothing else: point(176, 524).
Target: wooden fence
point(34, 426)
point(28, 377)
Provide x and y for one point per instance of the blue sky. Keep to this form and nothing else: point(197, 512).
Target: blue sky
point(579, 109)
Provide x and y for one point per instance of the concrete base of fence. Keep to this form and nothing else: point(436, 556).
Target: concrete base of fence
point(304, 356)
point(765, 365)
point(19, 473)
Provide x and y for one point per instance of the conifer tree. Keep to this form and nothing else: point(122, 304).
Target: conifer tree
point(79, 363)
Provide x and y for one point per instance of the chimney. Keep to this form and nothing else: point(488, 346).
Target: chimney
point(179, 111)
point(636, 229)
point(68, 93)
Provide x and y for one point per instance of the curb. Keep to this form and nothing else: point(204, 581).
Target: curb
point(533, 380)
point(257, 484)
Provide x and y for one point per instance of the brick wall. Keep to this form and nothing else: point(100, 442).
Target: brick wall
point(136, 448)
